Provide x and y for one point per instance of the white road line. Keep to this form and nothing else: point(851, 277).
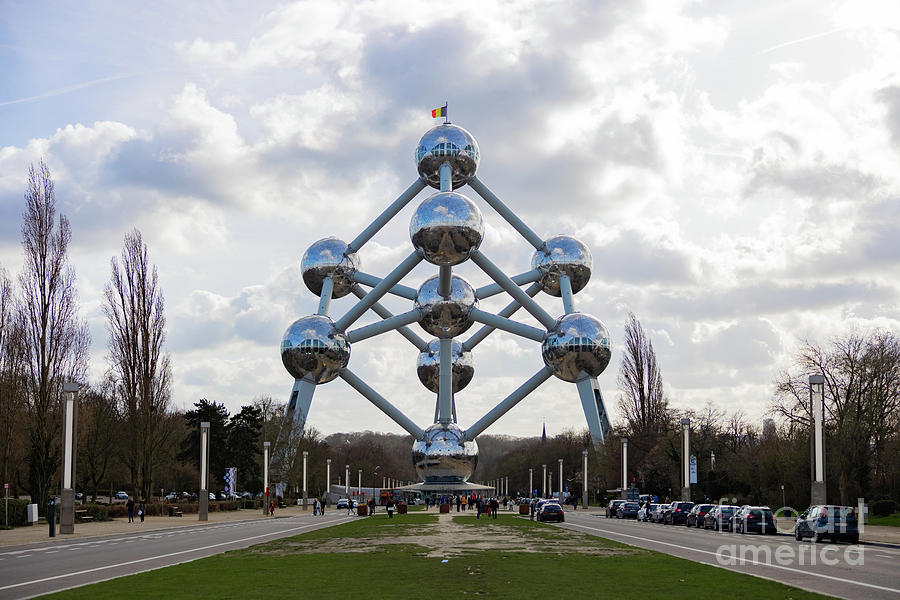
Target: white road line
point(883, 556)
point(140, 560)
point(741, 558)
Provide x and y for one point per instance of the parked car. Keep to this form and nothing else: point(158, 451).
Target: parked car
point(678, 512)
point(343, 503)
point(658, 514)
point(212, 496)
point(720, 517)
point(628, 510)
point(755, 518)
point(612, 508)
point(697, 514)
point(828, 521)
point(121, 496)
point(647, 511)
point(172, 496)
point(551, 511)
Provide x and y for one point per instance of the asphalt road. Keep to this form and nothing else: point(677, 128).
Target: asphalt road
point(32, 570)
point(843, 570)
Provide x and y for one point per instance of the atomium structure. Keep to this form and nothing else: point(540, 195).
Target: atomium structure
point(446, 230)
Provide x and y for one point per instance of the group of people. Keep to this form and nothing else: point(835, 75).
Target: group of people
point(141, 510)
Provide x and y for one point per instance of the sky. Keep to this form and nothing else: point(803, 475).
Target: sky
point(731, 165)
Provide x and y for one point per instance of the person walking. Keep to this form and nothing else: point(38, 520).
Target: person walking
point(272, 508)
point(372, 507)
point(130, 506)
point(575, 503)
point(531, 510)
point(316, 508)
point(458, 503)
point(478, 508)
point(464, 503)
point(322, 507)
point(390, 508)
point(142, 510)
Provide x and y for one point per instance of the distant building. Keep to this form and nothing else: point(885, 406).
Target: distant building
point(544, 434)
point(768, 428)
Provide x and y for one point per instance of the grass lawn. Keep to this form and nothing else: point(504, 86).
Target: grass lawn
point(890, 520)
point(421, 555)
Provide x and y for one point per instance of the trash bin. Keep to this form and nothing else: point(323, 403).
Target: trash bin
point(362, 510)
point(524, 509)
point(171, 511)
point(401, 509)
point(445, 508)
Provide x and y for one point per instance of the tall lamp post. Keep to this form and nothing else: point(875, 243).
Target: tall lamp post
point(624, 468)
point(347, 481)
point(530, 483)
point(359, 484)
point(544, 482)
point(266, 478)
point(374, 479)
point(305, 494)
point(584, 491)
point(327, 480)
point(67, 501)
point(686, 460)
point(203, 513)
point(817, 399)
point(561, 485)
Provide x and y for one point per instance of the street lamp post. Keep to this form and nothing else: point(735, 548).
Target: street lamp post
point(266, 478)
point(584, 491)
point(624, 468)
point(686, 460)
point(561, 486)
point(544, 482)
point(817, 399)
point(347, 481)
point(203, 513)
point(305, 493)
point(359, 484)
point(327, 480)
point(374, 495)
point(67, 500)
point(530, 483)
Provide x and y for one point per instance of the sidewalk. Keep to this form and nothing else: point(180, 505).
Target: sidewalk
point(41, 533)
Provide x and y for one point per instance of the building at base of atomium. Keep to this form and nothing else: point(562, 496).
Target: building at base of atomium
point(446, 230)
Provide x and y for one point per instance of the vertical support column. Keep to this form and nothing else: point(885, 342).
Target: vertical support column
point(624, 468)
point(325, 296)
point(445, 391)
point(686, 460)
point(203, 513)
point(565, 290)
point(544, 482)
point(584, 476)
point(67, 500)
point(817, 399)
point(562, 486)
point(446, 172)
point(327, 480)
point(347, 481)
point(305, 493)
point(266, 478)
point(530, 483)
point(359, 484)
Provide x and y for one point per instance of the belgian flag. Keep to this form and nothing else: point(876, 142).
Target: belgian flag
point(439, 112)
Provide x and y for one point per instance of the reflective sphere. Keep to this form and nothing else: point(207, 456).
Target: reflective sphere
point(442, 457)
point(447, 143)
point(446, 317)
point(563, 254)
point(329, 258)
point(447, 228)
point(428, 366)
point(312, 346)
point(578, 342)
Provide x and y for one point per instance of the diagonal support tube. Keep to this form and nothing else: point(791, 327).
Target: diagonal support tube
point(508, 215)
point(445, 390)
point(513, 290)
point(508, 311)
point(492, 289)
point(514, 327)
point(379, 401)
point(594, 409)
point(384, 313)
point(301, 398)
point(510, 401)
point(398, 290)
point(325, 296)
point(378, 291)
point(389, 324)
point(565, 290)
point(389, 213)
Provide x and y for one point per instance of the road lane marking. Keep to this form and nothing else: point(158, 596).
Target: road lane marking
point(742, 559)
point(161, 556)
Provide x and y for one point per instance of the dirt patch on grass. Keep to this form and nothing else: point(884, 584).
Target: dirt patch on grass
point(449, 537)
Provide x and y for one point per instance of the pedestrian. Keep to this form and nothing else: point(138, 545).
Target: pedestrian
point(316, 508)
point(458, 503)
point(142, 510)
point(426, 502)
point(531, 510)
point(272, 508)
point(575, 503)
point(464, 502)
point(495, 504)
point(372, 507)
point(390, 508)
point(130, 506)
point(322, 508)
point(478, 508)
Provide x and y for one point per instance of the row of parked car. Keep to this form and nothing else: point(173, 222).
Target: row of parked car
point(817, 522)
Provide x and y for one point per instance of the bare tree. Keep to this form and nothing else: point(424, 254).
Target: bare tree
point(642, 401)
point(55, 341)
point(98, 428)
point(136, 324)
point(12, 387)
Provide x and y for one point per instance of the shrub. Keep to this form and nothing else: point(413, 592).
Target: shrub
point(884, 508)
point(18, 514)
point(99, 512)
point(117, 511)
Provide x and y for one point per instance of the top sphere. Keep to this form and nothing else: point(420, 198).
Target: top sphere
point(447, 143)
point(447, 227)
point(563, 255)
point(312, 346)
point(329, 258)
point(578, 342)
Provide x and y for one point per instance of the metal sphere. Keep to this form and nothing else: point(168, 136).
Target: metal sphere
point(312, 346)
point(451, 144)
point(447, 227)
point(563, 254)
point(577, 342)
point(442, 457)
point(446, 317)
point(428, 366)
point(329, 258)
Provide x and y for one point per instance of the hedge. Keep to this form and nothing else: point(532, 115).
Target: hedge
point(884, 508)
point(18, 514)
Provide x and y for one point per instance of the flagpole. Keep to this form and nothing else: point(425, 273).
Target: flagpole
point(446, 117)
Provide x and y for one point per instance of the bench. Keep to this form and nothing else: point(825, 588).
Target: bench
point(83, 516)
point(175, 511)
